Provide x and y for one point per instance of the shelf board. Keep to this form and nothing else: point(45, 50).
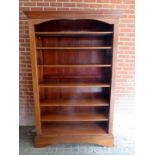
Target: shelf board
point(83, 116)
point(89, 65)
point(71, 128)
point(74, 48)
point(74, 34)
point(72, 84)
point(77, 102)
point(59, 77)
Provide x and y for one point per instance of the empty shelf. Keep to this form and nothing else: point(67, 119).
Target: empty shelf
point(73, 128)
point(73, 34)
point(77, 102)
point(72, 84)
point(89, 65)
point(74, 48)
point(83, 116)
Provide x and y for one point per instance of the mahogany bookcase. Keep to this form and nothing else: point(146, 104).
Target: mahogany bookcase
point(73, 57)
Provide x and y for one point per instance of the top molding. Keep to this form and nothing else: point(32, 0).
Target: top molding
point(73, 14)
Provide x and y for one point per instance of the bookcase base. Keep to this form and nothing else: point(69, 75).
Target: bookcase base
point(102, 140)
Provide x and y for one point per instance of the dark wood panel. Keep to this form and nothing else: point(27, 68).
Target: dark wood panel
point(71, 94)
point(79, 57)
point(73, 25)
point(77, 42)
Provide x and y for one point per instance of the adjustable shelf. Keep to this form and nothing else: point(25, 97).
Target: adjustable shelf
point(72, 58)
point(77, 103)
point(74, 48)
point(77, 128)
point(75, 34)
point(86, 116)
point(88, 65)
point(72, 85)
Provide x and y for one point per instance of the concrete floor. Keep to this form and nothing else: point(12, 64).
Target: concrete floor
point(123, 146)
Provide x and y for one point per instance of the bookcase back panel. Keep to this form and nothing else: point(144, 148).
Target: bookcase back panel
point(74, 93)
point(73, 25)
point(71, 110)
point(75, 109)
point(74, 41)
point(87, 128)
point(77, 74)
point(70, 57)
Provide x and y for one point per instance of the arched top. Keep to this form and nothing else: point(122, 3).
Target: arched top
point(58, 25)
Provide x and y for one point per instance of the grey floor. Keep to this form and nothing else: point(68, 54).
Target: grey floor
point(123, 146)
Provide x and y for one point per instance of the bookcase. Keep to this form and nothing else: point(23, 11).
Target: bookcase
point(73, 57)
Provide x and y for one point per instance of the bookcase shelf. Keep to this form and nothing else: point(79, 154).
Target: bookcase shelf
point(88, 65)
point(77, 103)
point(73, 63)
point(74, 117)
point(72, 84)
point(74, 34)
point(74, 48)
point(74, 128)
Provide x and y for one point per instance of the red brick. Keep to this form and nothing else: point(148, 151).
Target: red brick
point(131, 16)
point(95, 5)
point(129, 1)
point(107, 6)
point(69, 4)
point(82, 5)
point(76, 0)
point(131, 6)
point(24, 8)
point(43, 4)
point(29, 3)
point(49, 9)
point(56, 4)
point(20, 4)
point(129, 11)
point(63, 9)
point(123, 56)
point(37, 9)
point(121, 6)
point(124, 47)
point(89, 1)
point(50, 0)
point(103, 1)
point(116, 1)
point(79, 9)
point(63, 0)
point(126, 30)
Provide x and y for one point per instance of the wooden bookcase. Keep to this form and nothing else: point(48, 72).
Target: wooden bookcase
point(73, 68)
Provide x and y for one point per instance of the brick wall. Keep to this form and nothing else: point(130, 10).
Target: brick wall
point(124, 86)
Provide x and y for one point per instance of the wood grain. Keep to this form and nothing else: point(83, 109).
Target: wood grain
point(85, 116)
point(72, 128)
point(77, 102)
point(72, 84)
